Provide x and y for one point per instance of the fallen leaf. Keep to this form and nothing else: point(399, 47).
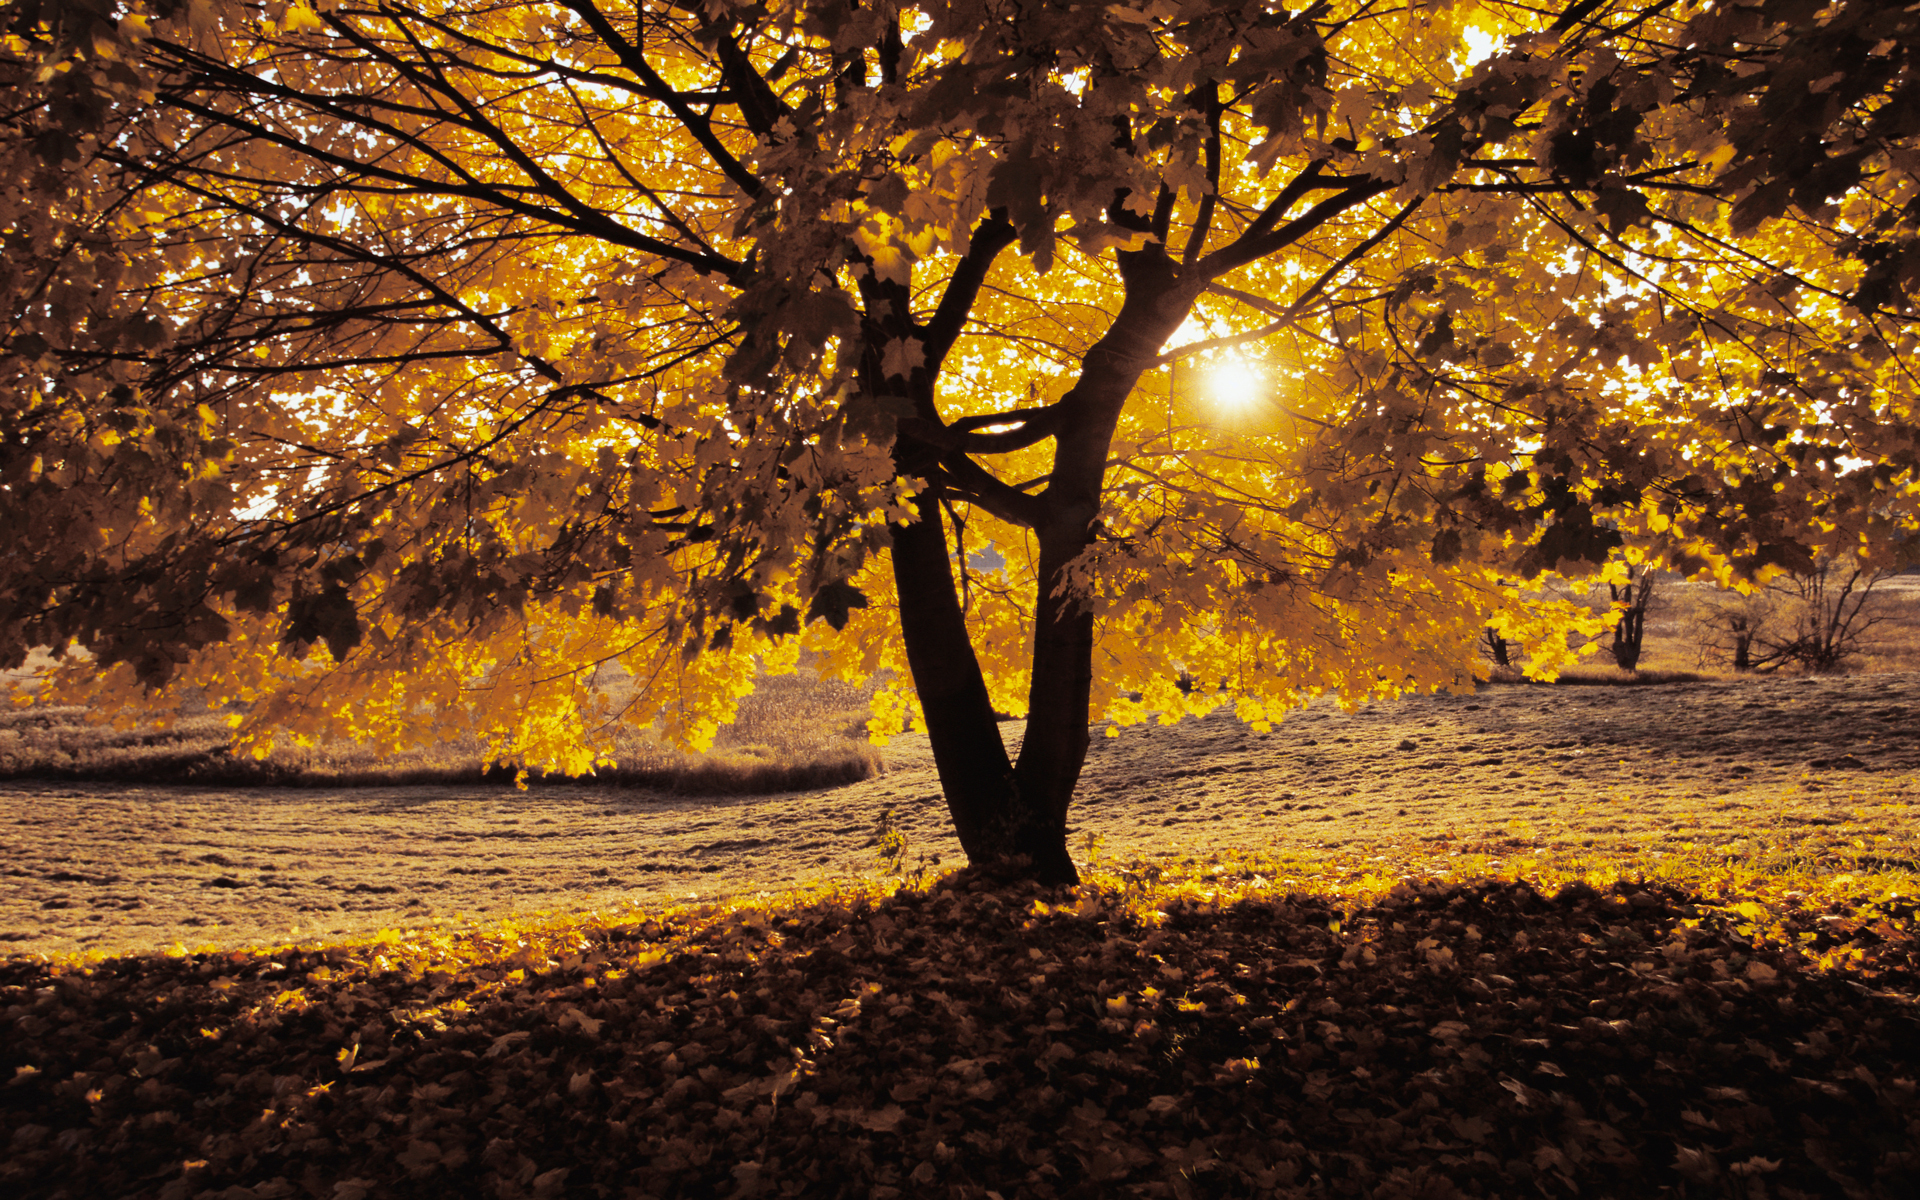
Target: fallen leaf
point(506, 1042)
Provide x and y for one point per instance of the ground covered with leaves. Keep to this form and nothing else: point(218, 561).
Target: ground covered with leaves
point(1168, 1030)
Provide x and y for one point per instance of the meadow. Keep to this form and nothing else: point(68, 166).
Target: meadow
point(1787, 769)
point(1654, 938)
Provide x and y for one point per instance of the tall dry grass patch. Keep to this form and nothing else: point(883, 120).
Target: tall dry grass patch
point(795, 732)
point(1895, 643)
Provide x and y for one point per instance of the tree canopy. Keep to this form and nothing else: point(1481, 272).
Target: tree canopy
point(393, 367)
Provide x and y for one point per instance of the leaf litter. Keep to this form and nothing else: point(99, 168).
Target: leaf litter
point(1167, 1029)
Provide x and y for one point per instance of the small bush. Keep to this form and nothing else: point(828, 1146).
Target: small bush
point(1825, 619)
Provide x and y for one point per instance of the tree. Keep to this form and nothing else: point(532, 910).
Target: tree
point(397, 365)
point(1630, 597)
point(1814, 620)
point(1729, 622)
point(1497, 647)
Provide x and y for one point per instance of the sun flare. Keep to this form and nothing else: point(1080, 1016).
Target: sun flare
point(1235, 385)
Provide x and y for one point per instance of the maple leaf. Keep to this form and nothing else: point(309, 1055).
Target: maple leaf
point(882, 1120)
point(833, 603)
point(901, 357)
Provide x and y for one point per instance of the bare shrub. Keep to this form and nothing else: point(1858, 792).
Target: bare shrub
point(1726, 623)
point(1818, 620)
point(1824, 616)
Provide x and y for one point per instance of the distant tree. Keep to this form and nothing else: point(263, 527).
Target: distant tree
point(1497, 647)
point(1815, 620)
point(1741, 632)
point(1631, 599)
point(1728, 625)
point(389, 368)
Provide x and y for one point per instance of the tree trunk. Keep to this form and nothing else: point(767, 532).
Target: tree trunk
point(1629, 634)
point(1497, 646)
point(1626, 639)
point(1058, 703)
point(1012, 820)
point(1000, 833)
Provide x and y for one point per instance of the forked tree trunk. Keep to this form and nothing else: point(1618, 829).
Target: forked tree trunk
point(1012, 822)
point(1004, 829)
point(1628, 636)
point(1629, 633)
point(1012, 818)
point(1497, 646)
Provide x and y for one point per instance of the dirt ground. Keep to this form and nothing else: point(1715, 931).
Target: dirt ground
point(1744, 764)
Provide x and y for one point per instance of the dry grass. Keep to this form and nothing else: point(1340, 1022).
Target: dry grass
point(1786, 776)
point(1895, 645)
point(795, 732)
point(1606, 677)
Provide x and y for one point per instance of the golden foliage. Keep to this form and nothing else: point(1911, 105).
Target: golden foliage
point(389, 372)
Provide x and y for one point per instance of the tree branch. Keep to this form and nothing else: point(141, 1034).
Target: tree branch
point(993, 235)
point(700, 127)
point(575, 215)
point(1203, 220)
point(988, 420)
point(1163, 212)
point(1043, 424)
point(1574, 14)
point(1290, 195)
point(1249, 248)
point(1287, 316)
point(759, 104)
point(976, 485)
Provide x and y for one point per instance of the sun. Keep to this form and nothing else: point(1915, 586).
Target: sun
point(1235, 384)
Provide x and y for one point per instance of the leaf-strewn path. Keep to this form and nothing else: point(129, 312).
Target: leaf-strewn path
point(1764, 762)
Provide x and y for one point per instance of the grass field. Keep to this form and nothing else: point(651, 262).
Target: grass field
point(794, 731)
point(1782, 770)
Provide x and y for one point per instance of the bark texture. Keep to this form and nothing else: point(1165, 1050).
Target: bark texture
point(1629, 634)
